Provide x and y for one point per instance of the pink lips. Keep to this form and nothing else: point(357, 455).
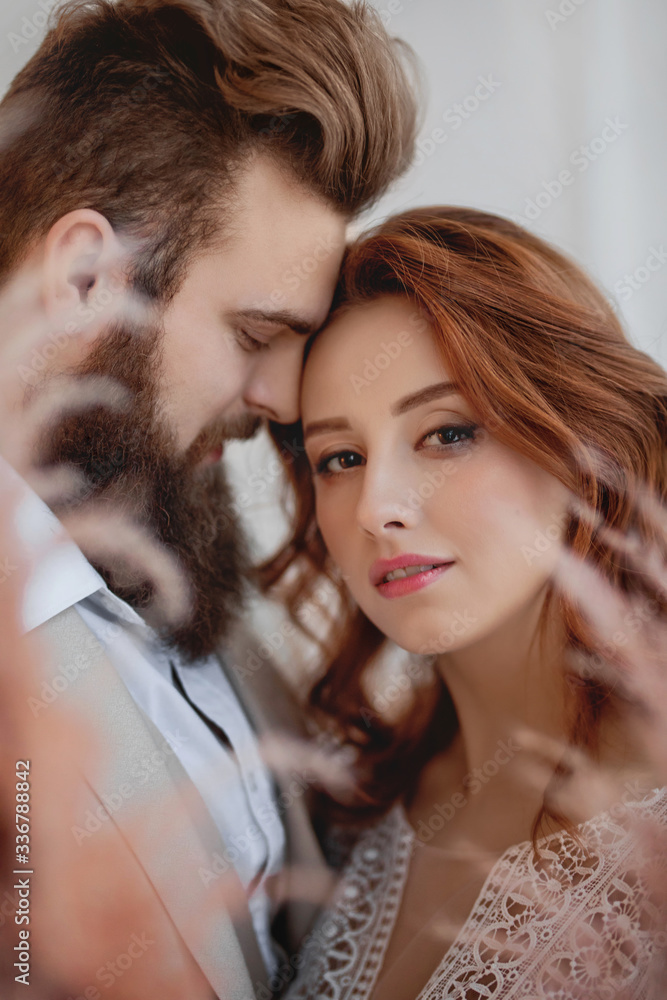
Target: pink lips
point(407, 584)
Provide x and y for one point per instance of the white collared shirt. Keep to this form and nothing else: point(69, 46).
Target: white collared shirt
point(234, 783)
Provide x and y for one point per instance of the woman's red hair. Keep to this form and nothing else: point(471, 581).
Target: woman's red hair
point(541, 357)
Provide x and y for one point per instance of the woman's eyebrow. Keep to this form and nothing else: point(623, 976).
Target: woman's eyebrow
point(324, 426)
point(426, 395)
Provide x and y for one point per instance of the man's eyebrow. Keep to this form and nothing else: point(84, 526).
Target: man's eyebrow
point(426, 395)
point(279, 317)
point(325, 426)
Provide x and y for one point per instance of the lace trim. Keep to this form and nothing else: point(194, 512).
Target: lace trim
point(344, 954)
point(578, 922)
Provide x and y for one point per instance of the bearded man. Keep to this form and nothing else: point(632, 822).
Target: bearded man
point(196, 161)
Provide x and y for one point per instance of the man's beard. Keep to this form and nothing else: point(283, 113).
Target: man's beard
point(130, 462)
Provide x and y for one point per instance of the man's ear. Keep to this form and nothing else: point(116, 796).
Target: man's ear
point(81, 253)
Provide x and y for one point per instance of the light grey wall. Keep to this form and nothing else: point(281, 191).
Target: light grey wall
point(557, 72)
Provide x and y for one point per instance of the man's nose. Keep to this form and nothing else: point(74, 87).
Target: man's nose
point(273, 388)
point(387, 503)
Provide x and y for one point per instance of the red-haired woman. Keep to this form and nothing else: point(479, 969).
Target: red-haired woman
point(484, 484)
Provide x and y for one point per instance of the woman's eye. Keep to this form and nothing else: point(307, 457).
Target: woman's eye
point(249, 343)
point(333, 465)
point(450, 436)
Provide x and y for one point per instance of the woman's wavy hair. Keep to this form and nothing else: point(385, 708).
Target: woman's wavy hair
point(542, 358)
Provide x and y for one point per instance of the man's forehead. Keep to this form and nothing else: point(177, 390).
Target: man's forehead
point(282, 251)
point(294, 292)
point(265, 188)
point(302, 237)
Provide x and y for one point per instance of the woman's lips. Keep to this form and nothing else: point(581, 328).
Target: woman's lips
point(407, 573)
point(416, 581)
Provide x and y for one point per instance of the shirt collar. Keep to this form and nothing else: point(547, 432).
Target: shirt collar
point(59, 575)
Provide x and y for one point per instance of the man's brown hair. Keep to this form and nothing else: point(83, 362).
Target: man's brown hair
point(145, 109)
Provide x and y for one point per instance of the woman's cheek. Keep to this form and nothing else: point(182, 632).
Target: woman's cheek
point(327, 521)
point(341, 543)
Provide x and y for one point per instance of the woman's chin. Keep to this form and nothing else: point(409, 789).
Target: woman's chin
point(424, 643)
point(424, 636)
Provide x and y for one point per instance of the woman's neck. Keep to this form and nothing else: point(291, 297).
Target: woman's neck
point(510, 694)
point(507, 682)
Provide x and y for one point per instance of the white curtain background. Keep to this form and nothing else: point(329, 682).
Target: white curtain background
point(548, 111)
point(557, 73)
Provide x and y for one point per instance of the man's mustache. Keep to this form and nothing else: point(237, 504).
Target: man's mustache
point(214, 435)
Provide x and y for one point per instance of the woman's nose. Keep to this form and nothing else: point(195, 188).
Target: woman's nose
point(386, 502)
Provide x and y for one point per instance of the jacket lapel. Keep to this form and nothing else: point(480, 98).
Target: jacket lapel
point(273, 710)
point(166, 823)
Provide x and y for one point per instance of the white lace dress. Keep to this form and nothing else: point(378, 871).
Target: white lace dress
point(580, 921)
